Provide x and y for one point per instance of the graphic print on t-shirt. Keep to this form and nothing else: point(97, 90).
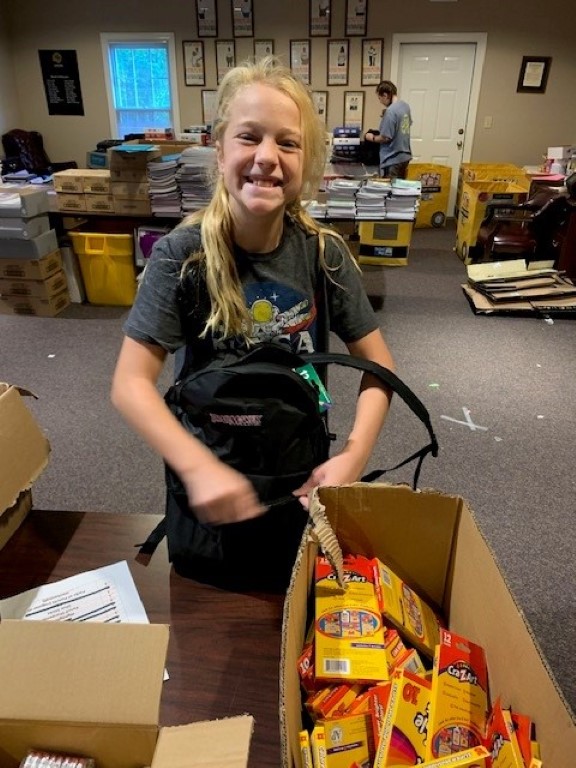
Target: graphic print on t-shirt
point(280, 311)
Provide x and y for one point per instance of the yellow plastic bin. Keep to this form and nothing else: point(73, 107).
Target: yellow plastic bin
point(435, 180)
point(107, 266)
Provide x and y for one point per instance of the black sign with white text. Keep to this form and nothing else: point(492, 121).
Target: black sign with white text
point(61, 82)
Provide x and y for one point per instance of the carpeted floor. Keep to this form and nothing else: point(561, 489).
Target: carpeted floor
point(500, 391)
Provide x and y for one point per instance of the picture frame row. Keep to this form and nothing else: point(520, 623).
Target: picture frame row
point(353, 106)
point(338, 56)
point(320, 18)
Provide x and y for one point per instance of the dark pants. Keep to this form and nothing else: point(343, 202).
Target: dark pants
point(397, 171)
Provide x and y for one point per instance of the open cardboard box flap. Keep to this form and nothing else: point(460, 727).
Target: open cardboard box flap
point(24, 449)
point(434, 543)
point(94, 689)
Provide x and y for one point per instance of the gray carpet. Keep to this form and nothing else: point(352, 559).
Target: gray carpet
point(514, 376)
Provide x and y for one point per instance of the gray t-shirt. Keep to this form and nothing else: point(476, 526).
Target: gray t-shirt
point(281, 290)
point(395, 123)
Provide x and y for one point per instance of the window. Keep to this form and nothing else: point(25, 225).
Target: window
point(140, 82)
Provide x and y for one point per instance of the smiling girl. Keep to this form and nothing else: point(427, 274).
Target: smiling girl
point(262, 259)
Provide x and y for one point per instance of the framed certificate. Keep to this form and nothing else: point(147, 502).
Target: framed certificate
point(371, 62)
point(208, 106)
point(354, 108)
point(320, 18)
point(194, 71)
point(242, 18)
point(207, 18)
point(356, 18)
point(300, 59)
point(320, 99)
point(338, 62)
point(225, 57)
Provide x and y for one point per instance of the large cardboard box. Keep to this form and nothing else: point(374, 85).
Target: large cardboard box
point(508, 172)
point(94, 689)
point(435, 180)
point(475, 197)
point(24, 452)
point(432, 541)
point(31, 269)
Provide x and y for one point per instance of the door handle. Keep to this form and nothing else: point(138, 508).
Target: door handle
point(459, 144)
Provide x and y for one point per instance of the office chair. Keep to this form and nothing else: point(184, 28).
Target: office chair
point(534, 229)
point(24, 150)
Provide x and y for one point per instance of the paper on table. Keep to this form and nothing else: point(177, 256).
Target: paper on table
point(105, 594)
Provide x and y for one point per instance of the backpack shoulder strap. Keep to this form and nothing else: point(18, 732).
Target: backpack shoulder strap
point(389, 379)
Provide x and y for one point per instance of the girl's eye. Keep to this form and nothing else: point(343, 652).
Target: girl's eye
point(247, 137)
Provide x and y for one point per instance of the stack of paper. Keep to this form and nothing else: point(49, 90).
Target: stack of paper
point(371, 199)
point(341, 198)
point(164, 191)
point(195, 167)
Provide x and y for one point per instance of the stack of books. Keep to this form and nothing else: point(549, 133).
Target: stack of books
point(404, 198)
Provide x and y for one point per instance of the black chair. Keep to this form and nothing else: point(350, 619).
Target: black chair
point(24, 151)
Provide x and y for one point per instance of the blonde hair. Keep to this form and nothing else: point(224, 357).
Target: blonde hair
point(229, 315)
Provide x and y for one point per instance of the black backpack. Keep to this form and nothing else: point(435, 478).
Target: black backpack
point(262, 418)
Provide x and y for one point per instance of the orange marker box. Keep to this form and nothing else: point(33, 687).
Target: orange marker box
point(476, 757)
point(501, 739)
point(403, 735)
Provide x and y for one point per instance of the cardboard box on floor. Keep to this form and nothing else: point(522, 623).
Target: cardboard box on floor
point(94, 689)
point(24, 452)
point(433, 542)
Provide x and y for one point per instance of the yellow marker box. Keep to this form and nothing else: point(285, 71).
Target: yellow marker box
point(405, 610)
point(318, 744)
point(348, 741)
point(501, 739)
point(305, 750)
point(349, 634)
point(404, 731)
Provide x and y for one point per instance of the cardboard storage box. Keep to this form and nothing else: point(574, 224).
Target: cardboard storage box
point(42, 289)
point(24, 452)
point(508, 172)
point(435, 180)
point(31, 269)
point(71, 201)
point(475, 197)
point(432, 541)
point(33, 248)
point(94, 689)
point(24, 228)
point(384, 243)
point(49, 306)
point(23, 201)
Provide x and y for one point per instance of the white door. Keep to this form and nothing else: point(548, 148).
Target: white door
point(439, 79)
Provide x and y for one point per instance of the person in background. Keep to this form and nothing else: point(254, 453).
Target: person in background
point(254, 243)
point(394, 132)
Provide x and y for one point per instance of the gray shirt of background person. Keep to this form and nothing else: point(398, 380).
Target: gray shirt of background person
point(395, 123)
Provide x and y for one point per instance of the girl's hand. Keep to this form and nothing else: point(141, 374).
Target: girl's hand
point(341, 469)
point(220, 494)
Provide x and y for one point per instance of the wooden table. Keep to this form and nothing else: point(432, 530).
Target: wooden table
point(224, 650)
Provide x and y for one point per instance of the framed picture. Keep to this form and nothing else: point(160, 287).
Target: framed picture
point(338, 62)
point(225, 58)
point(242, 18)
point(354, 108)
point(208, 106)
point(320, 99)
point(320, 18)
point(194, 70)
point(263, 48)
point(371, 62)
point(534, 74)
point(300, 59)
point(207, 18)
point(356, 18)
